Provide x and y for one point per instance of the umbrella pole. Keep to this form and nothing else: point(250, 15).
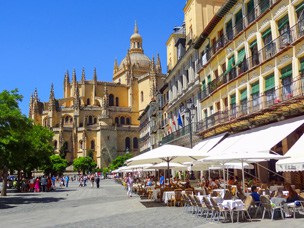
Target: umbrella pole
point(168, 173)
point(243, 176)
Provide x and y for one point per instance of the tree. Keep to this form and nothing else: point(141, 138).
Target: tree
point(119, 161)
point(56, 166)
point(84, 164)
point(23, 145)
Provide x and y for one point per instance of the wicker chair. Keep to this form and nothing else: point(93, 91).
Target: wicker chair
point(245, 210)
point(201, 207)
point(178, 198)
point(218, 210)
point(210, 209)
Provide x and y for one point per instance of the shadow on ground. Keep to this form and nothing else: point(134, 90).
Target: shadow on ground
point(149, 204)
point(11, 202)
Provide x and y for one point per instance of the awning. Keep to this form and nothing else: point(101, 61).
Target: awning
point(208, 143)
point(260, 139)
point(296, 160)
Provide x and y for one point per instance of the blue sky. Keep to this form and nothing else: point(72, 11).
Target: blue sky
point(40, 40)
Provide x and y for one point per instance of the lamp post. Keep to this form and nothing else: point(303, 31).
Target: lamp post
point(188, 108)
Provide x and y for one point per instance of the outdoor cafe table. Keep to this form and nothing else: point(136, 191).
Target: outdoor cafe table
point(220, 192)
point(167, 195)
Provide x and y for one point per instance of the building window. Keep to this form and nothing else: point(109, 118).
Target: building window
point(244, 102)
point(238, 22)
point(128, 121)
point(270, 89)
point(284, 30)
point(90, 120)
point(80, 144)
point(286, 77)
point(88, 101)
point(300, 15)
point(92, 145)
point(55, 144)
point(254, 53)
point(117, 120)
point(229, 30)
point(122, 120)
point(135, 143)
point(255, 90)
point(250, 11)
point(233, 105)
point(117, 101)
point(269, 47)
point(263, 5)
point(111, 100)
point(142, 96)
point(127, 143)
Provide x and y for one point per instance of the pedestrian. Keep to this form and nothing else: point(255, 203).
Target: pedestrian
point(43, 183)
point(53, 181)
point(130, 181)
point(92, 179)
point(97, 181)
point(37, 185)
point(67, 179)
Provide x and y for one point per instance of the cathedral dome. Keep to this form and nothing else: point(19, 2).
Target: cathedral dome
point(139, 59)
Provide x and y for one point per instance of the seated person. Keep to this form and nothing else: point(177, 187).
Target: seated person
point(149, 182)
point(254, 193)
point(187, 184)
point(291, 199)
point(231, 180)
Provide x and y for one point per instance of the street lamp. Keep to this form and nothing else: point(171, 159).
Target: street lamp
point(188, 109)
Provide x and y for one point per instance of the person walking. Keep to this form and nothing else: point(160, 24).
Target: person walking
point(130, 181)
point(92, 179)
point(67, 179)
point(97, 181)
point(43, 183)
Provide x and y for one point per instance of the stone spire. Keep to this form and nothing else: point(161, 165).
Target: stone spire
point(36, 98)
point(152, 68)
point(66, 77)
point(95, 75)
point(83, 76)
point(115, 66)
point(52, 98)
point(158, 65)
point(76, 104)
point(74, 80)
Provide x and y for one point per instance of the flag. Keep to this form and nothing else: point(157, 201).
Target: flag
point(173, 121)
point(179, 120)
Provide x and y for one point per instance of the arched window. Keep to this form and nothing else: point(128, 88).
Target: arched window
point(142, 96)
point(128, 121)
point(80, 144)
point(135, 143)
point(55, 144)
point(90, 120)
point(127, 144)
point(93, 145)
point(111, 100)
point(95, 120)
point(65, 146)
point(66, 120)
point(117, 120)
point(71, 120)
point(117, 101)
point(88, 101)
point(122, 120)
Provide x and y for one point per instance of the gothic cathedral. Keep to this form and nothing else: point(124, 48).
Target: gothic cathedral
point(100, 119)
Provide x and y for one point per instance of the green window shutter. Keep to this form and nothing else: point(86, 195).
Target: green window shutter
point(238, 16)
point(244, 94)
point(241, 56)
point(269, 82)
point(283, 21)
point(229, 24)
point(266, 33)
point(255, 88)
point(250, 6)
point(203, 85)
point(253, 43)
point(230, 64)
point(300, 7)
point(232, 100)
point(286, 71)
point(209, 79)
point(302, 64)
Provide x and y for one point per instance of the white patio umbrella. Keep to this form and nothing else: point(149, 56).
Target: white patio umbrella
point(164, 165)
point(166, 153)
point(243, 157)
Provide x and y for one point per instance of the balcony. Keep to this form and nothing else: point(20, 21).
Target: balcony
point(269, 101)
point(179, 133)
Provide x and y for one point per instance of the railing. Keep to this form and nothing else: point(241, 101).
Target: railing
point(268, 99)
point(179, 133)
point(144, 138)
point(267, 52)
